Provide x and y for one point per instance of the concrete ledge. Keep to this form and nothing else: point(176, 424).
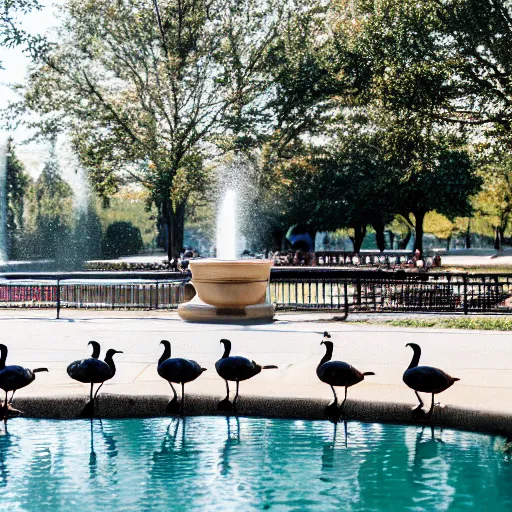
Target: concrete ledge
point(136, 406)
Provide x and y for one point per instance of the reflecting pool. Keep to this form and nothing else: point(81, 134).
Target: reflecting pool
point(216, 463)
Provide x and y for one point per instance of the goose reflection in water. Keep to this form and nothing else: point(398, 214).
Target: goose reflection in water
point(232, 440)
point(111, 452)
point(426, 446)
point(330, 448)
point(170, 444)
point(6, 444)
point(431, 471)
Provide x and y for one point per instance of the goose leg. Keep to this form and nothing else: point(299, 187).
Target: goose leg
point(335, 397)
point(88, 410)
point(421, 402)
point(225, 405)
point(429, 413)
point(331, 411)
point(96, 394)
point(182, 397)
point(172, 406)
point(418, 412)
point(236, 394)
point(4, 410)
point(344, 400)
point(9, 407)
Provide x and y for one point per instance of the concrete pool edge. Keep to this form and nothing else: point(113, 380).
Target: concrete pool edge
point(137, 406)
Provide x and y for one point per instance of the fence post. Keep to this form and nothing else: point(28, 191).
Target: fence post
point(58, 299)
point(465, 279)
point(156, 295)
point(358, 293)
point(345, 292)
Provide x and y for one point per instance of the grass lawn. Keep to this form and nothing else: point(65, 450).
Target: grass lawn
point(473, 323)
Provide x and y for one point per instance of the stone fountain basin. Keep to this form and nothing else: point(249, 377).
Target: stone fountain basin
point(231, 284)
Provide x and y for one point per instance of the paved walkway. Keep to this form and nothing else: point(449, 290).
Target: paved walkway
point(475, 261)
point(481, 359)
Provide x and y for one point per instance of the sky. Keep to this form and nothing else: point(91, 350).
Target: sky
point(15, 64)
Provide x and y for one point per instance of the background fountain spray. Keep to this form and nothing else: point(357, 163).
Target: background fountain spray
point(236, 191)
point(3, 202)
point(226, 227)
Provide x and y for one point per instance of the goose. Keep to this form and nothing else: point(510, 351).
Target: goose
point(426, 379)
point(235, 368)
point(179, 371)
point(94, 371)
point(14, 377)
point(337, 373)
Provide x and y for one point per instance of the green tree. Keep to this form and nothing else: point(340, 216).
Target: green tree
point(445, 185)
point(16, 185)
point(494, 201)
point(410, 70)
point(51, 212)
point(146, 88)
point(476, 34)
point(11, 33)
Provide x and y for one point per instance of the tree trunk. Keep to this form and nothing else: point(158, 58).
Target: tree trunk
point(403, 243)
point(497, 241)
point(359, 234)
point(175, 229)
point(378, 225)
point(419, 217)
point(312, 234)
point(468, 235)
point(502, 237)
point(448, 240)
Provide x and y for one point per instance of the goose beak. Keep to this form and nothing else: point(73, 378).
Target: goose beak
point(408, 345)
point(119, 352)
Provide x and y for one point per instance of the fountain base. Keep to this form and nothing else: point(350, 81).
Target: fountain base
point(198, 311)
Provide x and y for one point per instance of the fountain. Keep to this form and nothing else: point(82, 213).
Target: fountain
point(228, 289)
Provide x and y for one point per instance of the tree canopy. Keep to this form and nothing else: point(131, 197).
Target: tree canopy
point(354, 111)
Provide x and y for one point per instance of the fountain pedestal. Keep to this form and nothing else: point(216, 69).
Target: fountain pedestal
point(229, 291)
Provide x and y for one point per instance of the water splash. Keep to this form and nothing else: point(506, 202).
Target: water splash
point(226, 227)
point(3, 203)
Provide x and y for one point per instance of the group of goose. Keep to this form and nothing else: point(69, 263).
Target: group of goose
point(177, 370)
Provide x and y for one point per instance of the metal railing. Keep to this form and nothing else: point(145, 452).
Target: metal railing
point(390, 291)
point(298, 289)
point(94, 290)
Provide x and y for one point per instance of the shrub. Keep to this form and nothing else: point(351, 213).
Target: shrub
point(121, 239)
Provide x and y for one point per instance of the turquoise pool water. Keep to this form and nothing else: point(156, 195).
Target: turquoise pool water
point(212, 463)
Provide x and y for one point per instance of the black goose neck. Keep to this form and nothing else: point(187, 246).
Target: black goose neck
point(95, 349)
point(227, 348)
point(328, 353)
point(109, 359)
point(3, 356)
point(166, 353)
point(416, 356)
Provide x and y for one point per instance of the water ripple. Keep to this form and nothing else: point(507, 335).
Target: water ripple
point(248, 464)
